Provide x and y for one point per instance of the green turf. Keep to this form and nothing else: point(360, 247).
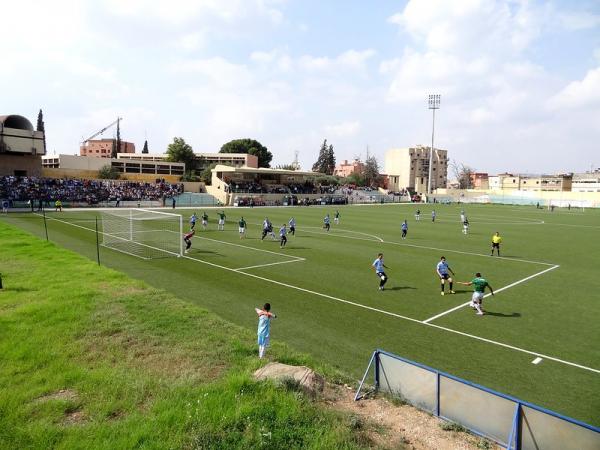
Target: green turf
point(554, 314)
point(92, 359)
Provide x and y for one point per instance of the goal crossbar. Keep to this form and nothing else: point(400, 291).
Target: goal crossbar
point(143, 233)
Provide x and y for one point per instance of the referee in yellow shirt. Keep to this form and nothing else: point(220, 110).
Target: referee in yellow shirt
point(496, 240)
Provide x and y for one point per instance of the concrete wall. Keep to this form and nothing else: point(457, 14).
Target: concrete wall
point(10, 164)
point(193, 186)
point(560, 198)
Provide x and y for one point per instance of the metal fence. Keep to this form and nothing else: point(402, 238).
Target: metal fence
point(512, 423)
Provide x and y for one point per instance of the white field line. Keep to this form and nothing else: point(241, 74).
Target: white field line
point(295, 258)
point(358, 305)
point(270, 264)
point(381, 311)
point(481, 223)
point(344, 231)
point(470, 253)
point(372, 239)
point(488, 294)
point(109, 234)
point(421, 246)
point(375, 238)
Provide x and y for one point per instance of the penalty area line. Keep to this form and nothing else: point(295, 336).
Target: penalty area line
point(270, 264)
point(410, 319)
point(489, 294)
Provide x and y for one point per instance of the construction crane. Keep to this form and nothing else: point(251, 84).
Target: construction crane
point(102, 130)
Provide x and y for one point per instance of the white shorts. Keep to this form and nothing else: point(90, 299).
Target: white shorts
point(204, 222)
point(242, 229)
point(221, 222)
point(477, 297)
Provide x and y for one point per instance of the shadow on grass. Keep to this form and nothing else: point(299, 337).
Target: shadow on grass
point(399, 288)
point(497, 314)
point(18, 289)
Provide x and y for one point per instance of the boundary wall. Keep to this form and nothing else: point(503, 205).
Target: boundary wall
point(508, 421)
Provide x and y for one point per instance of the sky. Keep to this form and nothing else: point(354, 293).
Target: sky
point(519, 80)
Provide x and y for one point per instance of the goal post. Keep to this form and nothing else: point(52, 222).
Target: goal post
point(143, 233)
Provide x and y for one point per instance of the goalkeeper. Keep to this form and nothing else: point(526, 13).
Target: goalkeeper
point(187, 238)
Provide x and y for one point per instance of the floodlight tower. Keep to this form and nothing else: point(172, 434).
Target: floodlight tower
point(434, 103)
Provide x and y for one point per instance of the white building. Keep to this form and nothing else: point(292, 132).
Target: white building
point(408, 168)
point(586, 182)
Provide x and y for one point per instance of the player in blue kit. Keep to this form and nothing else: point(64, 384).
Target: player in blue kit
point(327, 222)
point(379, 266)
point(283, 236)
point(443, 270)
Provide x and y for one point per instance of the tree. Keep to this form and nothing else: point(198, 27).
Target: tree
point(180, 151)
point(40, 122)
point(251, 147)
point(326, 160)
point(145, 149)
point(371, 170)
point(190, 175)
point(117, 144)
point(41, 127)
point(206, 174)
point(330, 160)
point(108, 172)
point(355, 178)
point(463, 175)
point(286, 167)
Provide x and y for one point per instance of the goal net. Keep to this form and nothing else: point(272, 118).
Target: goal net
point(143, 233)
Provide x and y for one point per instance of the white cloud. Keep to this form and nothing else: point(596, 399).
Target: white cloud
point(350, 59)
point(343, 129)
point(575, 21)
point(218, 70)
point(579, 94)
point(178, 12)
point(191, 41)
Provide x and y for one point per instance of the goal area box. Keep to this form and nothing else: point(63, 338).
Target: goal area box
point(142, 233)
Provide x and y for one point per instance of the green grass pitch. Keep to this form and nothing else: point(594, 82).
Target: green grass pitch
point(324, 290)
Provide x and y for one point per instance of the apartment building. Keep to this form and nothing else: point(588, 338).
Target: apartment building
point(348, 168)
point(102, 148)
point(203, 159)
point(408, 168)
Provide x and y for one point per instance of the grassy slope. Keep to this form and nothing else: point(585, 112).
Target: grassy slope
point(144, 368)
point(553, 314)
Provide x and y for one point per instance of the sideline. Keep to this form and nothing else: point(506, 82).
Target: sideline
point(489, 294)
point(381, 311)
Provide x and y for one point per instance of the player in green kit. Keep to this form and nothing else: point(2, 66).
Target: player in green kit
point(242, 228)
point(336, 218)
point(479, 284)
point(204, 220)
point(222, 217)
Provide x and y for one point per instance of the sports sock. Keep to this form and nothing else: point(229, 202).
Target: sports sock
point(442, 286)
point(451, 283)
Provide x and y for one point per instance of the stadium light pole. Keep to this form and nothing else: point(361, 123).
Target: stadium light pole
point(434, 103)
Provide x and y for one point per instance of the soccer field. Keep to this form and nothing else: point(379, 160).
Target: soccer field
point(325, 292)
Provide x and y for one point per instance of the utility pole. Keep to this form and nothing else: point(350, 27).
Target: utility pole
point(434, 103)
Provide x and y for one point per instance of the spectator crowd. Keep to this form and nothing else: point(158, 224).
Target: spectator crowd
point(90, 191)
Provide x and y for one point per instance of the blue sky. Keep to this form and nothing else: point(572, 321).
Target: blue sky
point(520, 80)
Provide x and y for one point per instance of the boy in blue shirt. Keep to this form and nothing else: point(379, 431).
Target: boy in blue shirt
point(264, 328)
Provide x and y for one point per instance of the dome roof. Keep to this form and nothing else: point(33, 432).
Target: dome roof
point(16, 121)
